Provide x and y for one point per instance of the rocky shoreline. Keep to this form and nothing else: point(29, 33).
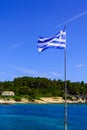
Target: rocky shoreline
point(43, 100)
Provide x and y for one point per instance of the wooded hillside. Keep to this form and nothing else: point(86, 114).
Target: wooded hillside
point(43, 87)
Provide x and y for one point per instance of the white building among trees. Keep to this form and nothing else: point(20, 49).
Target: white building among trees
point(7, 93)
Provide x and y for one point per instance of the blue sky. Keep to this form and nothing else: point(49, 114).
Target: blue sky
point(23, 21)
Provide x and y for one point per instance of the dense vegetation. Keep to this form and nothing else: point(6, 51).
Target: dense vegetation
point(39, 87)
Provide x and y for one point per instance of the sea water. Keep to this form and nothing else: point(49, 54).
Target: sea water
point(42, 117)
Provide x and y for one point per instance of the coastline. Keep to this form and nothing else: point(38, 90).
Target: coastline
point(43, 100)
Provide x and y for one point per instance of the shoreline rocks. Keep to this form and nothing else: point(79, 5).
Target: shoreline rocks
point(43, 100)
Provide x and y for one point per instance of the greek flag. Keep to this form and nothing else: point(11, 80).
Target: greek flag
point(57, 41)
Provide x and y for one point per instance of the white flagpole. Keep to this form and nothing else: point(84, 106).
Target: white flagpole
point(65, 107)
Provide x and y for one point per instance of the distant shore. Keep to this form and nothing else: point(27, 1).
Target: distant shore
point(43, 100)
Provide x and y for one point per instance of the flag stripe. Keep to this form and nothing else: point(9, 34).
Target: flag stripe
point(45, 40)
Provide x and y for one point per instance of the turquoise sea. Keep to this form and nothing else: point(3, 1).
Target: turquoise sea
point(42, 117)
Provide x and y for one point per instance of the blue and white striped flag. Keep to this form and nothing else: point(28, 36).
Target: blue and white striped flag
point(57, 41)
